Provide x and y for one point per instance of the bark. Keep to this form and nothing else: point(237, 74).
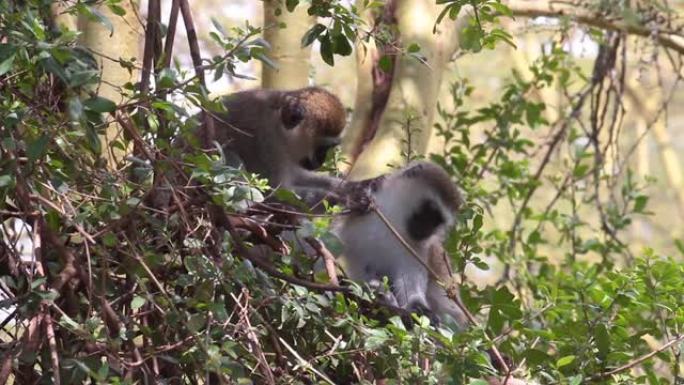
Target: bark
point(292, 59)
point(108, 48)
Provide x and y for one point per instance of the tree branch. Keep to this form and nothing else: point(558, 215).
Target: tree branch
point(637, 361)
point(594, 19)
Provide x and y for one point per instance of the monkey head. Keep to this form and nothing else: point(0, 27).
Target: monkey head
point(312, 119)
point(420, 199)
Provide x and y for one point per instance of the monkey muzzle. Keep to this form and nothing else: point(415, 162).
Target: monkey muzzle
point(316, 160)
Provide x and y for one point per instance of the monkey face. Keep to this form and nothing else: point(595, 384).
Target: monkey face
point(312, 120)
point(320, 152)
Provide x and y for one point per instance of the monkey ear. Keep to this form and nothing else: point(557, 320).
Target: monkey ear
point(292, 113)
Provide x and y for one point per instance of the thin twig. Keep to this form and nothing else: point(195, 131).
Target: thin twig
point(151, 31)
point(208, 133)
point(52, 344)
point(327, 256)
point(637, 361)
point(268, 268)
point(593, 19)
point(171, 33)
point(304, 363)
point(252, 337)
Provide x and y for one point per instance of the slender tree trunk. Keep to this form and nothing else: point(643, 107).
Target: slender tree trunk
point(406, 124)
point(287, 52)
point(108, 48)
point(367, 55)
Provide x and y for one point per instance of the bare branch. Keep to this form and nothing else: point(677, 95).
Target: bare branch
point(327, 256)
point(637, 361)
point(593, 19)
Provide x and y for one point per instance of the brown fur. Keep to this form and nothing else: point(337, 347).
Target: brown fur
point(324, 108)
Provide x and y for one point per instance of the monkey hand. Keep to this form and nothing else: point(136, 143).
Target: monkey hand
point(356, 196)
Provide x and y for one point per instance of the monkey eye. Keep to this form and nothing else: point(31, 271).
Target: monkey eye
point(292, 114)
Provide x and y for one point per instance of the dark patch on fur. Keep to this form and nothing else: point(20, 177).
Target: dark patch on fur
point(424, 221)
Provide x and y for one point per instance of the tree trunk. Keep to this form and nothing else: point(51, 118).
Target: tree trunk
point(367, 55)
point(407, 122)
point(648, 107)
point(108, 47)
point(287, 52)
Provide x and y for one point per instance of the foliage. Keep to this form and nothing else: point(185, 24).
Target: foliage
point(121, 292)
point(570, 320)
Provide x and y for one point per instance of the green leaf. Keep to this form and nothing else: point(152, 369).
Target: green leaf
point(501, 8)
point(477, 222)
point(385, 64)
point(640, 203)
point(94, 143)
point(312, 34)
point(471, 38)
point(6, 180)
point(602, 339)
point(291, 4)
point(116, 9)
point(341, 45)
point(327, 50)
point(37, 282)
point(580, 170)
point(109, 240)
point(679, 244)
point(100, 104)
point(137, 302)
point(36, 149)
point(52, 65)
point(535, 357)
point(413, 48)
point(452, 10)
point(75, 109)
point(196, 322)
point(376, 338)
point(219, 27)
point(565, 361)
point(6, 65)
point(166, 78)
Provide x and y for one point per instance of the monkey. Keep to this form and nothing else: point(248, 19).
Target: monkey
point(420, 202)
point(284, 136)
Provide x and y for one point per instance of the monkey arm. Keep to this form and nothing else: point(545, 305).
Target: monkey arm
point(314, 187)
